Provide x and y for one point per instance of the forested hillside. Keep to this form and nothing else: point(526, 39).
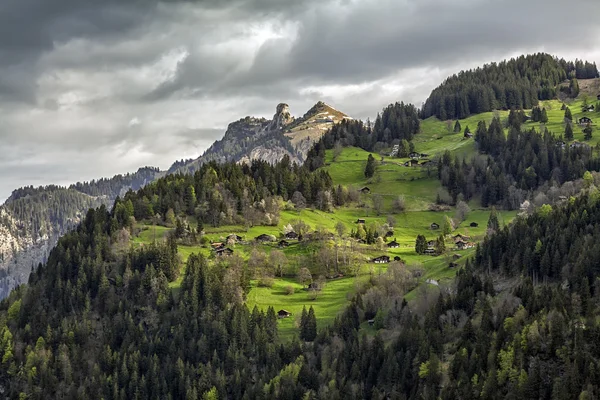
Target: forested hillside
point(514, 84)
point(32, 219)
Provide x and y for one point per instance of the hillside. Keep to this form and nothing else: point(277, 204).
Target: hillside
point(32, 220)
point(253, 138)
point(411, 259)
point(516, 83)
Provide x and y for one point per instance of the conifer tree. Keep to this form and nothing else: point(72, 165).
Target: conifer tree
point(457, 127)
point(421, 244)
point(544, 116)
point(568, 115)
point(568, 131)
point(370, 168)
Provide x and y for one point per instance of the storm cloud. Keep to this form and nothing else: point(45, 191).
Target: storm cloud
point(91, 89)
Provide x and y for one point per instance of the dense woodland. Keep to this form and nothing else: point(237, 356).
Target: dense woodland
point(514, 84)
point(99, 319)
point(512, 165)
point(230, 193)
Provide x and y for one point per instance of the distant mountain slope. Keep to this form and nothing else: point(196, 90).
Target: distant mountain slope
point(253, 138)
point(32, 219)
point(516, 83)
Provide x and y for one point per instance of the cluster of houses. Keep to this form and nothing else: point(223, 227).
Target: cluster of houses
point(221, 249)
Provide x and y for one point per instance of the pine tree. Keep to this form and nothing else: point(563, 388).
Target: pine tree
point(421, 244)
point(587, 133)
point(568, 131)
point(457, 127)
point(568, 115)
point(440, 245)
point(544, 116)
point(311, 332)
point(493, 224)
point(370, 168)
point(303, 323)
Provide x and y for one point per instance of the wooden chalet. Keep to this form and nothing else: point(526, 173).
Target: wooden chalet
point(462, 245)
point(397, 258)
point(468, 135)
point(585, 121)
point(235, 237)
point(434, 226)
point(393, 245)
point(414, 155)
point(292, 235)
point(365, 190)
point(283, 314)
point(589, 107)
point(458, 237)
point(283, 243)
point(424, 155)
point(473, 224)
point(431, 244)
point(456, 256)
point(360, 221)
point(430, 252)
point(381, 260)
point(264, 238)
point(224, 252)
point(389, 234)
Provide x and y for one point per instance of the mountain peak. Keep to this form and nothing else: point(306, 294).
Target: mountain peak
point(281, 118)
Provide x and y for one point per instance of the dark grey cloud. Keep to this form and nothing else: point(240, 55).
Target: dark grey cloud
point(92, 88)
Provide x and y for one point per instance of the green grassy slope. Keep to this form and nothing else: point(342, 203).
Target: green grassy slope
point(418, 185)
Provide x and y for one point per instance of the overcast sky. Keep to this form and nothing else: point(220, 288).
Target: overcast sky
point(94, 88)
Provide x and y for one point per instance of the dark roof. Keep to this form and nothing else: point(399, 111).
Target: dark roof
point(393, 244)
point(397, 258)
point(434, 225)
point(284, 312)
point(360, 221)
point(223, 251)
point(284, 243)
point(365, 189)
point(473, 224)
point(389, 233)
point(291, 235)
point(263, 237)
point(382, 258)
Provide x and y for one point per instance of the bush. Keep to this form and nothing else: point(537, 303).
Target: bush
point(266, 281)
point(289, 290)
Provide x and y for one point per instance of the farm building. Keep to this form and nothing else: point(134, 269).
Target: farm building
point(283, 243)
point(434, 226)
point(360, 221)
point(292, 235)
point(393, 245)
point(365, 190)
point(473, 224)
point(283, 314)
point(585, 121)
point(381, 260)
point(264, 238)
point(224, 252)
point(235, 237)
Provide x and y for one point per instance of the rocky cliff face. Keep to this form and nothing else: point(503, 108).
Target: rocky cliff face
point(32, 220)
point(269, 140)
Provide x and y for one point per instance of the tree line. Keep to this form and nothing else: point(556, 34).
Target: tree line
point(511, 84)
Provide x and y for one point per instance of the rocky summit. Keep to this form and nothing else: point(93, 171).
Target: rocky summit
point(252, 138)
